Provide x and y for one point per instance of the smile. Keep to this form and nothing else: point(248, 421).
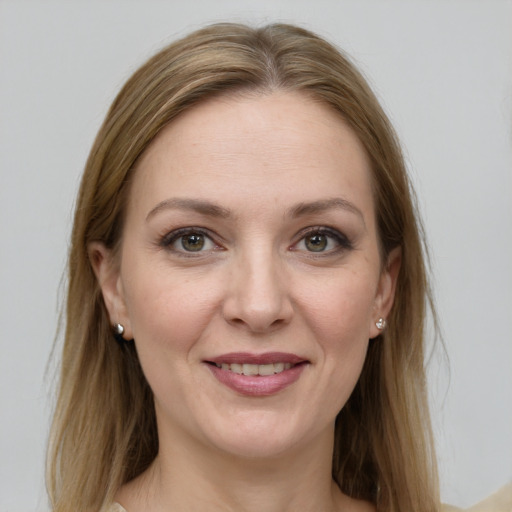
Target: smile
point(255, 369)
point(257, 374)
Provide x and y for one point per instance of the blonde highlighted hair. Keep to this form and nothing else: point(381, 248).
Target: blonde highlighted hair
point(104, 429)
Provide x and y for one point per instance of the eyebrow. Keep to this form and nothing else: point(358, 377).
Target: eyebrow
point(335, 203)
point(212, 210)
point(195, 205)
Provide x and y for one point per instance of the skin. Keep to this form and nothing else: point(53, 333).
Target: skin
point(257, 285)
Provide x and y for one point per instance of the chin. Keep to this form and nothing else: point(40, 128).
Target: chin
point(262, 437)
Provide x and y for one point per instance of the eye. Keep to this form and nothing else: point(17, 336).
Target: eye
point(316, 243)
point(193, 242)
point(189, 240)
point(323, 240)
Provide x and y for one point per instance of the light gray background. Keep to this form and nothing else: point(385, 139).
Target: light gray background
point(444, 72)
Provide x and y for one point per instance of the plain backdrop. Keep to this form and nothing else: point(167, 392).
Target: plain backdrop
point(443, 70)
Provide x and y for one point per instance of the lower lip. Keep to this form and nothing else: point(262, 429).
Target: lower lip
point(257, 385)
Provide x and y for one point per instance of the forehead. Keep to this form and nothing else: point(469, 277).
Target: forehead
point(285, 145)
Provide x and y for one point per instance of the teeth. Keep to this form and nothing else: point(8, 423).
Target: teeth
point(266, 369)
point(237, 368)
point(250, 369)
point(255, 369)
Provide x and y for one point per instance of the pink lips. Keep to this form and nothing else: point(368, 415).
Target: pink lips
point(257, 385)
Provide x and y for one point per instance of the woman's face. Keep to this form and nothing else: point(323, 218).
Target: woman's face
point(249, 273)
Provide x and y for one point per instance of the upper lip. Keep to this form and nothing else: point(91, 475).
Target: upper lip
point(249, 358)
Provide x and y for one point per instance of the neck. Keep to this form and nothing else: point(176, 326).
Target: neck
point(185, 477)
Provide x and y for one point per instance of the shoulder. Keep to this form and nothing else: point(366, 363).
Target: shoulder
point(115, 507)
point(500, 501)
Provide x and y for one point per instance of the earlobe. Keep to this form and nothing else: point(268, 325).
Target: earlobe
point(386, 292)
point(106, 269)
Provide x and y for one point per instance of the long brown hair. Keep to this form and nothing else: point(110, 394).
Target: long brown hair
point(104, 429)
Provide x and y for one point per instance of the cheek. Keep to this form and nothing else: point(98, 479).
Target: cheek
point(340, 310)
point(168, 313)
point(166, 309)
point(340, 319)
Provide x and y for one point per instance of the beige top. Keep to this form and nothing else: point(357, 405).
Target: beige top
point(500, 501)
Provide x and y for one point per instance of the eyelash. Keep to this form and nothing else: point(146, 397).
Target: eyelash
point(342, 241)
point(174, 236)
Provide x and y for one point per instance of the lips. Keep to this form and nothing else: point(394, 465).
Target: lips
point(257, 374)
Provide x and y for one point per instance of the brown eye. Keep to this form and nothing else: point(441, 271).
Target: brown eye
point(323, 241)
point(316, 242)
point(189, 241)
point(193, 242)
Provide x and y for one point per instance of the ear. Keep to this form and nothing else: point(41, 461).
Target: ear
point(106, 269)
point(385, 295)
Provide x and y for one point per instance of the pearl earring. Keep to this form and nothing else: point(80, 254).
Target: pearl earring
point(118, 329)
point(380, 324)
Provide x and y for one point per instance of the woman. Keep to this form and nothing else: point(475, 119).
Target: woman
point(245, 230)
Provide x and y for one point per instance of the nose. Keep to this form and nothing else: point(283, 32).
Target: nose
point(258, 295)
